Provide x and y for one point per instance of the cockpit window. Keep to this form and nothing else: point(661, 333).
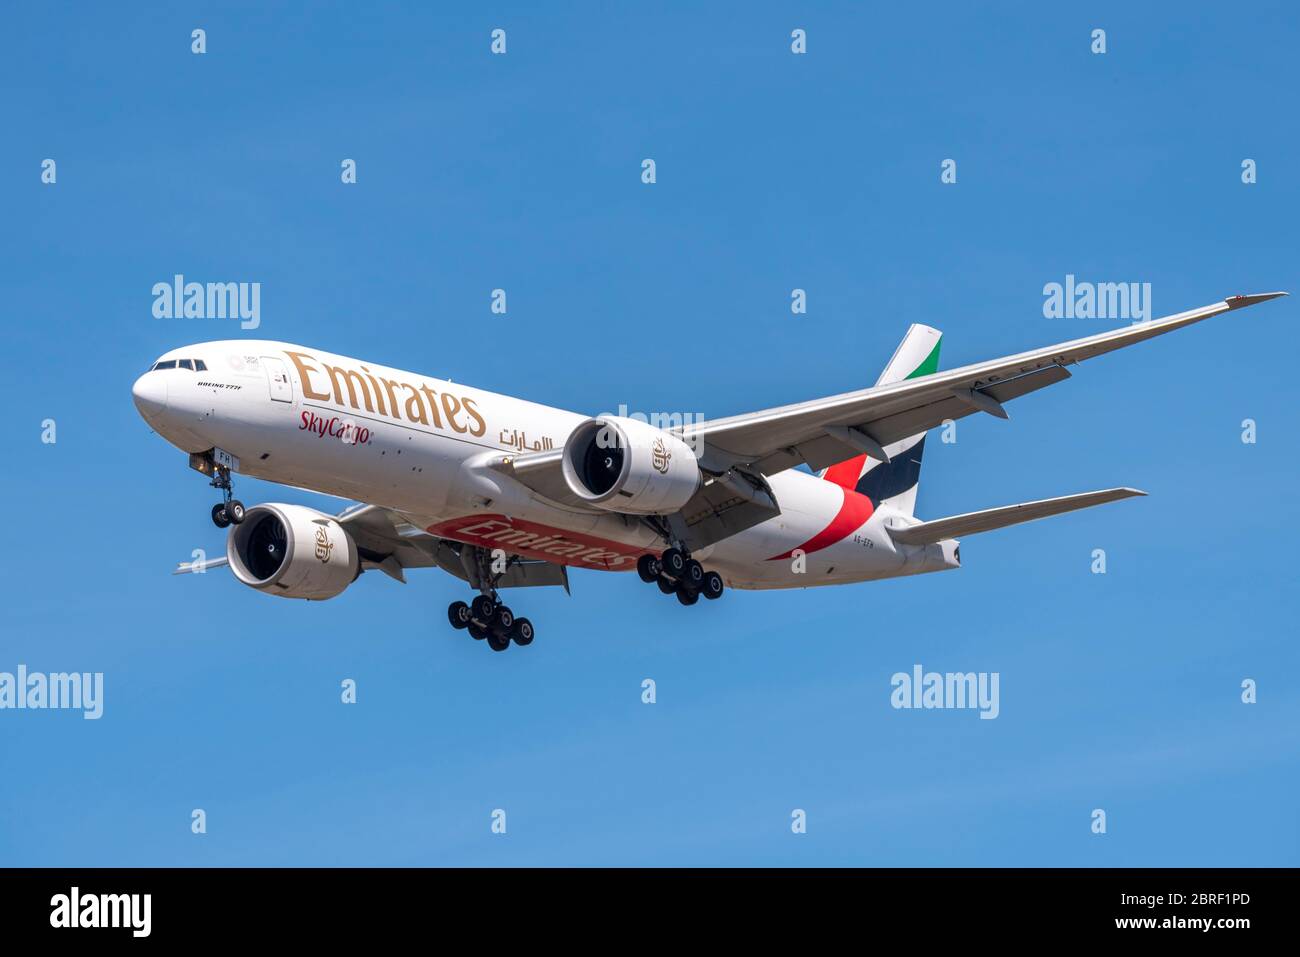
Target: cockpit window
point(194, 365)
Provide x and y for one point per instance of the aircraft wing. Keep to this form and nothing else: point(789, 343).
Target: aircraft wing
point(825, 431)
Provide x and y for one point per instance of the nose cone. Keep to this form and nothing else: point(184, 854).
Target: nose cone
point(150, 394)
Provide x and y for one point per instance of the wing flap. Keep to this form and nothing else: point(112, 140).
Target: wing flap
point(941, 529)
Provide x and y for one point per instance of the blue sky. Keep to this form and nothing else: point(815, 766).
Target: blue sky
point(775, 171)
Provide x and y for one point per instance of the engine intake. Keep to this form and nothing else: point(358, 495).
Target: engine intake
point(292, 551)
point(629, 466)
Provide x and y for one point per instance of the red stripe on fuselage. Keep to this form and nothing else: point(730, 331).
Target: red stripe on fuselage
point(853, 514)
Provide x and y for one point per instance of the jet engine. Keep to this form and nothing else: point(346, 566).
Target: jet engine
point(625, 465)
point(292, 551)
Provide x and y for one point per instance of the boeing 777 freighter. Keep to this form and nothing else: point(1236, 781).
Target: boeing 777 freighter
point(502, 492)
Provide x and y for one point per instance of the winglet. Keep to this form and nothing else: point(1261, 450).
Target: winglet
point(1238, 302)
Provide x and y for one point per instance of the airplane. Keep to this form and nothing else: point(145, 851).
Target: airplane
point(505, 493)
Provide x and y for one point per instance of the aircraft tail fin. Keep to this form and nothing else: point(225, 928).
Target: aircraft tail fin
point(894, 481)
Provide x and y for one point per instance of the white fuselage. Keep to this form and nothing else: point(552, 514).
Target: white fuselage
point(302, 417)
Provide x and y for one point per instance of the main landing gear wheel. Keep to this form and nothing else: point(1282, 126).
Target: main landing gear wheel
point(674, 562)
point(712, 587)
point(522, 632)
point(487, 619)
point(458, 614)
point(482, 608)
point(676, 573)
point(648, 567)
point(219, 516)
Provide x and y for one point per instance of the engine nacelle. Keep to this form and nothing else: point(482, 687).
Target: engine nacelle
point(292, 551)
point(629, 466)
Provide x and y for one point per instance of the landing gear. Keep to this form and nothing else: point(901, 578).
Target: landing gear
point(712, 585)
point(676, 573)
point(458, 614)
point(229, 511)
point(693, 575)
point(487, 618)
point(482, 607)
point(648, 567)
point(522, 633)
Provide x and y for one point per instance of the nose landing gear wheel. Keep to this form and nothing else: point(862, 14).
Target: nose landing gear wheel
point(219, 516)
point(235, 511)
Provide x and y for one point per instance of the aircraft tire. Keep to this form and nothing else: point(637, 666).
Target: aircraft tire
point(693, 574)
point(674, 562)
point(458, 615)
point(713, 586)
point(522, 633)
point(482, 608)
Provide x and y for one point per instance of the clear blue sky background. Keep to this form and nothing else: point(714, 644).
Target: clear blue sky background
point(775, 171)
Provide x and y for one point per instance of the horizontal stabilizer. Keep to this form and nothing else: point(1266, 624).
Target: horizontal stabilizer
point(941, 529)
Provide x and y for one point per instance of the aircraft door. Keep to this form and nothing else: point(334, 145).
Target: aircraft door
point(277, 376)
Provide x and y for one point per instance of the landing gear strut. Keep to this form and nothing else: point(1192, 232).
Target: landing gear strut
point(230, 510)
point(486, 618)
point(676, 573)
